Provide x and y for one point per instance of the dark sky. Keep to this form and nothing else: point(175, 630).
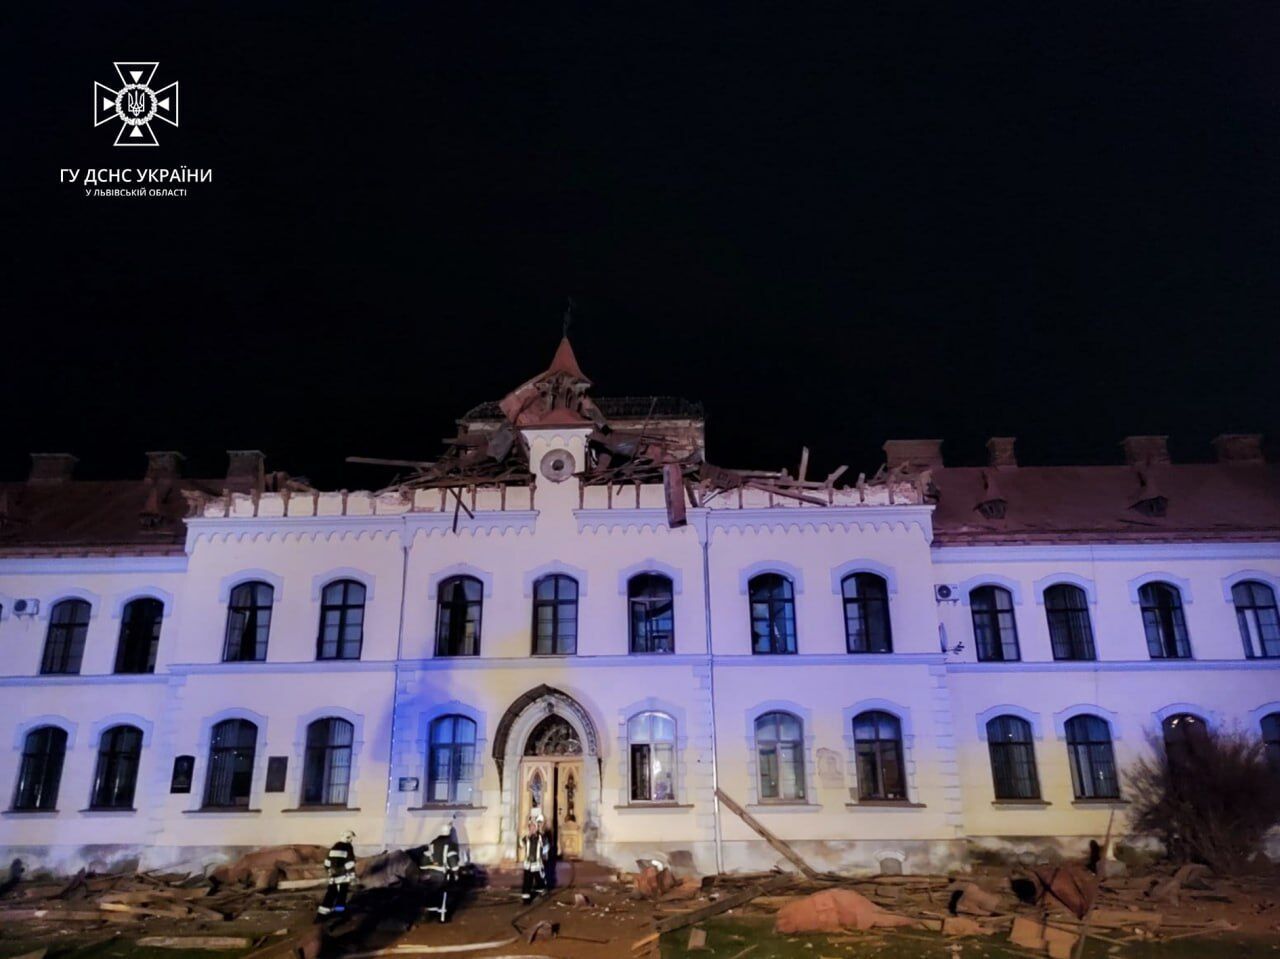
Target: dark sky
point(832, 224)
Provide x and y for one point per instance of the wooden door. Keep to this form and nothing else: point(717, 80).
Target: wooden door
point(568, 808)
point(537, 782)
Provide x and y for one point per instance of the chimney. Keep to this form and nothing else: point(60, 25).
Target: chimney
point(1000, 451)
point(917, 454)
point(246, 471)
point(51, 467)
point(1146, 450)
point(164, 465)
point(1238, 448)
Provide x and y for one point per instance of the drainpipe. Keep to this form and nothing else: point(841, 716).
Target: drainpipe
point(395, 687)
point(705, 535)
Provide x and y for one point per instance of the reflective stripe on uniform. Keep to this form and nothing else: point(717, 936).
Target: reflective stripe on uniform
point(337, 854)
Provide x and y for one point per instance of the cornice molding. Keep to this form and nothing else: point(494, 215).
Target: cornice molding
point(756, 520)
point(405, 527)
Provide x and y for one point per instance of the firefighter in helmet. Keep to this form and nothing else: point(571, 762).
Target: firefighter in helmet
point(340, 864)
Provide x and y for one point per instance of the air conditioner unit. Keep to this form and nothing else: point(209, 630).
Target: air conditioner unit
point(946, 593)
point(26, 607)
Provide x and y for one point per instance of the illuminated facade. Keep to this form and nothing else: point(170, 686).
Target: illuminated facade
point(913, 666)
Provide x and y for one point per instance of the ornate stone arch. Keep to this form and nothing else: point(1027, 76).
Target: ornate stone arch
point(555, 699)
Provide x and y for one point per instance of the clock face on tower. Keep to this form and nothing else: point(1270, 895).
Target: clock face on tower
point(557, 465)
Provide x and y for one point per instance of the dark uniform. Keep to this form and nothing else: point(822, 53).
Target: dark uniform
point(535, 848)
point(442, 862)
point(340, 863)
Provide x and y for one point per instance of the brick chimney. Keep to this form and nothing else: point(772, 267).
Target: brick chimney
point(51, 467)
point(164, 465)
point(1146, 450)
point(246, 471)
point(920, 454)
point(1238, 448)
point(1000, 451)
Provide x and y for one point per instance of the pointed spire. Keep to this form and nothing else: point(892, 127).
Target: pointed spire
point(565, 362)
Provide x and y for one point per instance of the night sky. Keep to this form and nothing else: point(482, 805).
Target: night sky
point(831, 224)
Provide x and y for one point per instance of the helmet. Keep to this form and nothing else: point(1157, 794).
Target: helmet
point(348, 836)
point(445, 830)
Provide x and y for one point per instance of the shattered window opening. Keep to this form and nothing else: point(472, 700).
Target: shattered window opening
point(773, 614)
point(649, 596)
point(458, 610)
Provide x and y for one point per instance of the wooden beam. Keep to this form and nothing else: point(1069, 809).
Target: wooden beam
point(723, 904)
point(792, 856)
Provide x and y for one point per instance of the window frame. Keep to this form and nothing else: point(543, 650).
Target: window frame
point(1249, 618)
point(320, 756)
point(1270, 730)
point(564, 610)
point(867, 610)
point(653, 605)
point(763, 761)
point(41, 769)
point(115, 774)
point(870, 756)
point(65, 639)
point(996, 622)
point(1163, 621)
point(1013, 760)
point(1092, 757)
point(227, 753)
point(462, 761)
point(1073, 618)
point(134, 642)
point(1179, 743)
point(451, 628)
point(652, 747)
point(344, 607)
point(778, 609)
point(255, 620)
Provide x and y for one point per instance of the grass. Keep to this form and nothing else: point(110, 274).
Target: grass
point(728, 937)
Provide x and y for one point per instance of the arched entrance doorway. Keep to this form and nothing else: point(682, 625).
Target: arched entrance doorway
point(548, 758)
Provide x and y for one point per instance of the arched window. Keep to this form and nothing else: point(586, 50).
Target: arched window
point(1070, 631)
point(652, 611)
point(458, 606)
point(451, 762)
point(555, 615)
point(652, 741)
point(1093, 761)
point(780, 750)
point(1271, 738)
point(139, 636)
point(232, 747)
point(877, 738)
point(40, 770)
point(341, 620)
point(1163, 620)
point(773, 614)
point(1013, 758)
point(326, 768)
point(1185, 736)
point(1258, 619)
point(248, 623)
point(116, 775)
point(866, 613)
point(995, 631)
point(64, 642)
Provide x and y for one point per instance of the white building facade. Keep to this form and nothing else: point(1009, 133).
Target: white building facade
point(285, 663)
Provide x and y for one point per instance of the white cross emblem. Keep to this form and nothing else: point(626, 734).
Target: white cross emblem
point(135, 104)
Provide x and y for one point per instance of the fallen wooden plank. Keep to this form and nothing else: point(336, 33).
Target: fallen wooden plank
point(723, 904)
point(51, 915)
point(195, 942)
point(412, 950)
point(792, 856)
point(301, 883)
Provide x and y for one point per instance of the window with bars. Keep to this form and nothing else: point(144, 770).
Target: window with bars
point(651, 737)
point(1271, 738)
point(459, 603)
point(995, 631)
point(1013, 758)
point(555, 616)
point(773, 614)
point(248, 623)
point(40, 770)
point(1093, 761)
point(652, 613)
point(866, 613)
point(116, 775)
point(326, 767)
point(64, 641)
point(877, 739)
point(1162, 618)
point(1258, 619)
point(451, 760)
point(780, 752)
point(1070, 631)
point(341, 620)
point(139, 636)
point(232, 748)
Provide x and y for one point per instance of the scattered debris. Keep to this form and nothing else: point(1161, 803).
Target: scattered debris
point(792, 856)
point(833, 910)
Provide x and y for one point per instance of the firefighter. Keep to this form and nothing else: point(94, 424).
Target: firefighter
point(340, 863)
point(442, 860)
point(535, 848)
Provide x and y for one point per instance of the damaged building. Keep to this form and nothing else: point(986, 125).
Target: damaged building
point(573, 609)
